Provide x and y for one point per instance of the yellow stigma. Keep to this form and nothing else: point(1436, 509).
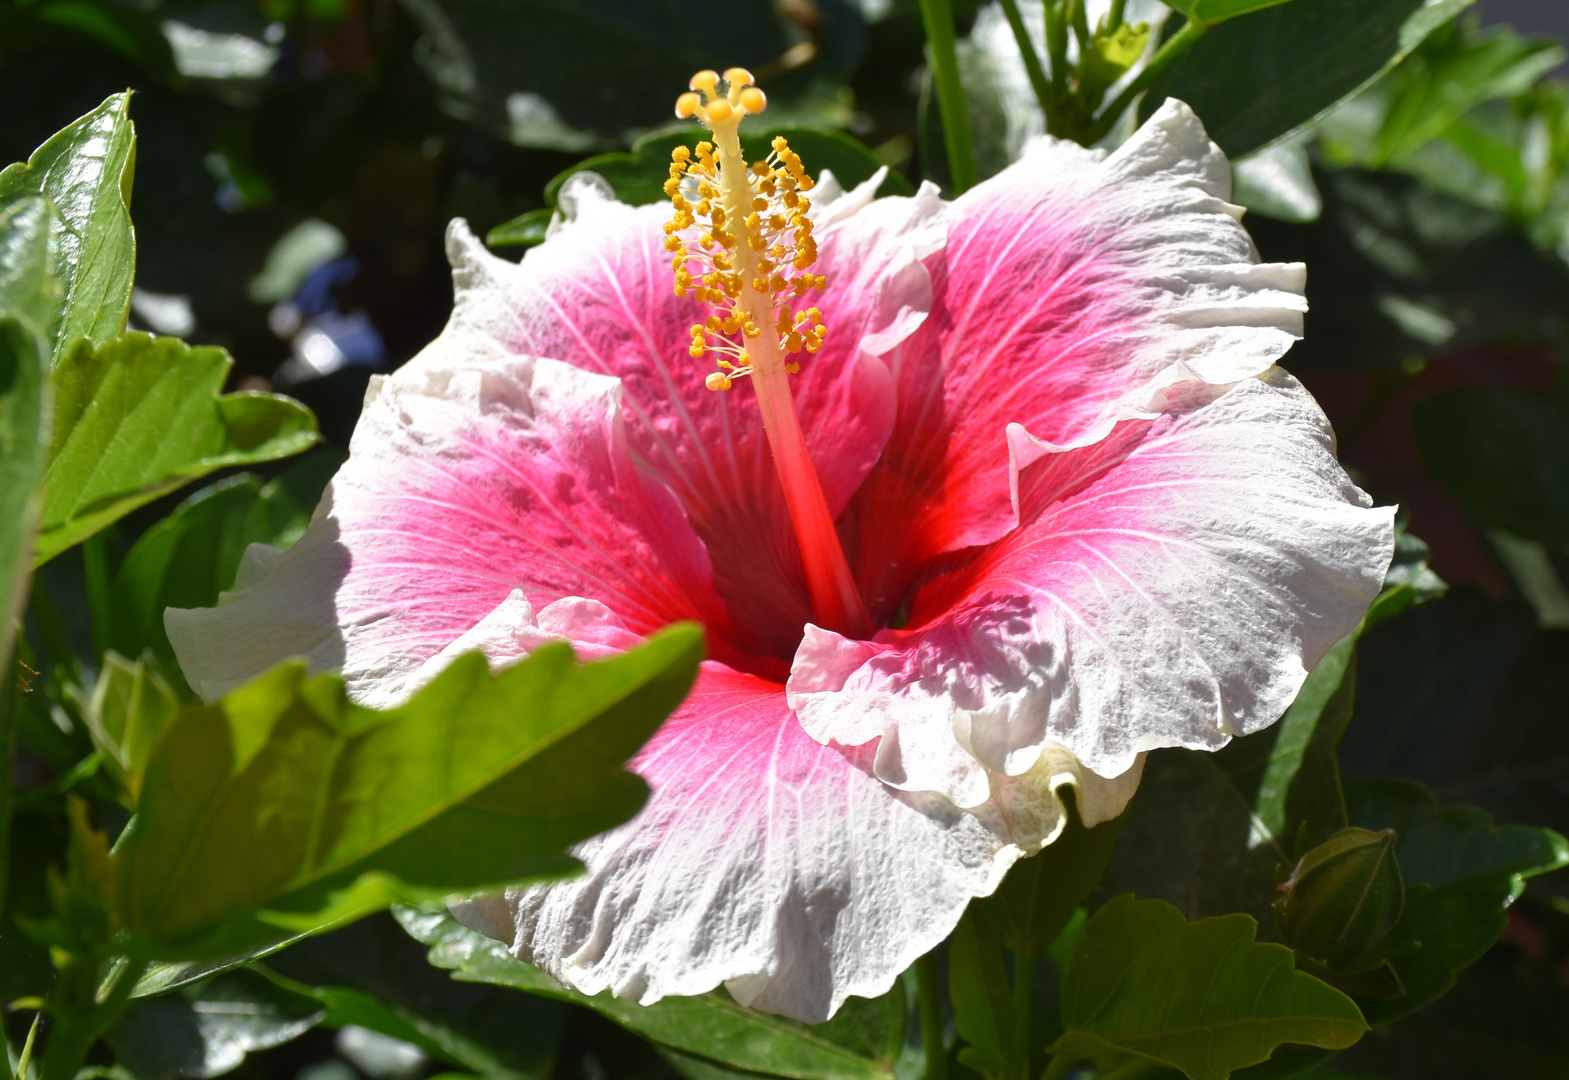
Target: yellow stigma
point(741, 241)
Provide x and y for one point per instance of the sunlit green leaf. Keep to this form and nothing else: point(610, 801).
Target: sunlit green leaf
point(285, 796)
point(130, 707)
point(85, 171)
point(140, 416)
point(24, 447)
point(859, 1043)
point(1202, 997)
point(1255, 78)
point(30, 235)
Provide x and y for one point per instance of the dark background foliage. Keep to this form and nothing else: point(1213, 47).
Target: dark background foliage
point(291, 191)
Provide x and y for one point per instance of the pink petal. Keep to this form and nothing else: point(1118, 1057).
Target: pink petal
point(774, 865)
point(1072, 288)
point(599, 295)
point(463, 484)
point(1172, 586)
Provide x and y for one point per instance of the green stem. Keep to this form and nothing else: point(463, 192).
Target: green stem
point(73, 1034)
point(95, 560)
point(1056, 47)
point(1114, 16)
point(1032, 61)
point(1023, 1010)
point(929, 993)
point(1175, 46)
point(938, 18)
point(1081, 25)
point(8, 726)
point(1059, 1067)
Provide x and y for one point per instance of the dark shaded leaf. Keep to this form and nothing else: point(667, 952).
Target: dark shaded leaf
point(1470, 871)
point(1258, 77)
point(208, 1031)
point(639, 177)
point(1502, 454)
point(374, 975)
point(859, 1043)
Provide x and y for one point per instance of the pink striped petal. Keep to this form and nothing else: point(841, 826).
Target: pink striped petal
point(1172, 586)
point(599, 295)
point(462, 484)
point(775, 866)
point(1073, 286)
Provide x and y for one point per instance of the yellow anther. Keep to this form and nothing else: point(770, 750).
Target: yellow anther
point(673, 243)
point(717, 380)
point(757, 242)
point(696, 349)
point(719, 112)
point(681, 155)
point(794, 343)
point(704, 80)
point(687, 105)
point(793, 368)
point(753, 100)
point(780, 144)
point(738, 76)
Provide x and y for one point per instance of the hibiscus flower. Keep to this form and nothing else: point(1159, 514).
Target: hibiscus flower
point(1036, 502)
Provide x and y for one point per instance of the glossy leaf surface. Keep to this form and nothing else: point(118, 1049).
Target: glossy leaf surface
point(284, 795)
point(24, 439)
point(85, 170)
point(140, 416)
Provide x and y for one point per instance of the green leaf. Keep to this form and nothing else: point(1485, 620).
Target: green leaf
point(859, 1043)
point(190, 557)
point(978, 986)
point(1256, 78)
point(639, 177)
point(1502, 454)
point(1040, 894)
point(374, 975)
point(285, 796)
point(526, 230)
point(1216, 11)
point(1202, 997)
point(30, 233)
point(130, 707)
point(139, 417)
point(1468, 871)
point(1453, 73)
point(510, 65)
point(208, 1029)
point(85, 170)
point(24, 441)
point(1214, 832)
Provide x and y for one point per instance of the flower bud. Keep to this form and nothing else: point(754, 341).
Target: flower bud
point(1343, 899)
